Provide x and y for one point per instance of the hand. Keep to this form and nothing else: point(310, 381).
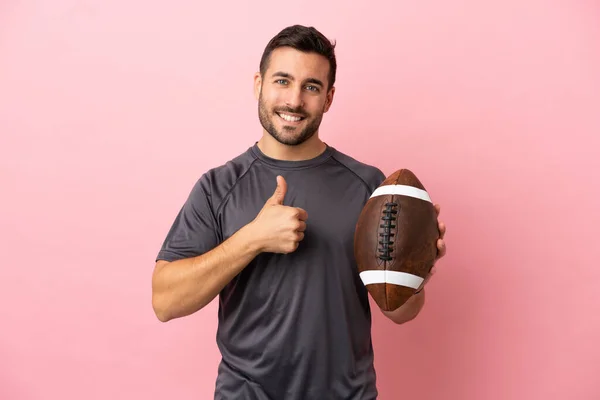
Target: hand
point(441, 246)
point(278, 228)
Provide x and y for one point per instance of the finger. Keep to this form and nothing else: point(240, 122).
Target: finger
point(301, 226)
point(441, 245)
point(290, 248)
point(301, 214)
point(295, 237)
point(442, 229)
point(431, 273)
point(437, 208)
point(280, 191)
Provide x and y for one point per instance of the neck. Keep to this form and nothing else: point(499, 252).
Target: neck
point(311, 148)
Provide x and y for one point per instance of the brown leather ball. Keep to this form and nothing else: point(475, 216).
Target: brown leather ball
point(395, 241)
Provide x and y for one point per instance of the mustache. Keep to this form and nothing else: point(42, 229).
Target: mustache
point(290, 110)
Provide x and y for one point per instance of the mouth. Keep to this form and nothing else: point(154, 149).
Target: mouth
point(294, 119)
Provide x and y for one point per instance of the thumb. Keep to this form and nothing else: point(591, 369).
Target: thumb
point(280, 191)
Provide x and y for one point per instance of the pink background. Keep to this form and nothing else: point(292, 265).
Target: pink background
point(110, 110)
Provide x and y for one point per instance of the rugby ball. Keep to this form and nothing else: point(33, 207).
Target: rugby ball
point(395, 240)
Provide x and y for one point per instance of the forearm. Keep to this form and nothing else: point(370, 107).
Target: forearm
point(182, 287)
point(409, 310)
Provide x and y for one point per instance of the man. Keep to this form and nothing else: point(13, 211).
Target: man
point(271, 233)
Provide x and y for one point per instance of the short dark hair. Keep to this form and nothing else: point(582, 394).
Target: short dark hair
point(302, 38)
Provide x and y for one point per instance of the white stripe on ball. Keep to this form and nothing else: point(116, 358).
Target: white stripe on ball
point(402, 190)
point(394, 277)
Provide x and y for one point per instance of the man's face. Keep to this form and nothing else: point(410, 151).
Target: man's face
point(292, 95)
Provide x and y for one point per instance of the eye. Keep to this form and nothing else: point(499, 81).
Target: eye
point(312, 88)
point(281, 81)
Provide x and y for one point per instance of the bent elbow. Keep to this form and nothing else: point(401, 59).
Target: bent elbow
point(160, 305)
point(161, 311)
point(162, 316)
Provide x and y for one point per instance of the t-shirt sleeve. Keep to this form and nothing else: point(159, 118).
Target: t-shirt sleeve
point(379, 178)
point(373, 179)
point(195, 230)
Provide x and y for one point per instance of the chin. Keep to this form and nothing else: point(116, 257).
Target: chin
point(289, 140)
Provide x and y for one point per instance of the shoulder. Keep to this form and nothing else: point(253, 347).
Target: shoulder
point(217, 182)
point(370, 175)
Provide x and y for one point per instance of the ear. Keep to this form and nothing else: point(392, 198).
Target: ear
point(257, 85)
point(329, 99)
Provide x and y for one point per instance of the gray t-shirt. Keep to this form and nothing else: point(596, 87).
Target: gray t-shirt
point(291, 326)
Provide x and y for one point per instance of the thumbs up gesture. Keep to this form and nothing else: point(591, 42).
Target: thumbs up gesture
point(279, 228)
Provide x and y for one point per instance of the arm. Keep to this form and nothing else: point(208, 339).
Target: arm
point(182, 287)
point(409, 310)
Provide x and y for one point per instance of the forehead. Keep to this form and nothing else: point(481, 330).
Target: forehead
point(299, 64)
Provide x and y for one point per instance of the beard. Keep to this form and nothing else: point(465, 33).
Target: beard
point(291, 135)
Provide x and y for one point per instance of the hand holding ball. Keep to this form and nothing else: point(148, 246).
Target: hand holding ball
point(395, 242)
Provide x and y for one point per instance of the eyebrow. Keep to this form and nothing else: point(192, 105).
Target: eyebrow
point(309, 80)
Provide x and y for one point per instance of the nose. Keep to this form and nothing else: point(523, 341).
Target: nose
point(294, 98)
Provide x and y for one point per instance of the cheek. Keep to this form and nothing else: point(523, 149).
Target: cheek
point(270, 100)
point(316, 107)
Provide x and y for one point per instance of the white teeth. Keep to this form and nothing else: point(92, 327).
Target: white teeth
point(290, 118)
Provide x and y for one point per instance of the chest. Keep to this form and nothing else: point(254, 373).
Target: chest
point(332, 208)
point(322, 269)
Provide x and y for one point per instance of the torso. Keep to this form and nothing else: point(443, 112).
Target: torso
point(296, 326)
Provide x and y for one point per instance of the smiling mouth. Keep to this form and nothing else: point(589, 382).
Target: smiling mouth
point(290, 118)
